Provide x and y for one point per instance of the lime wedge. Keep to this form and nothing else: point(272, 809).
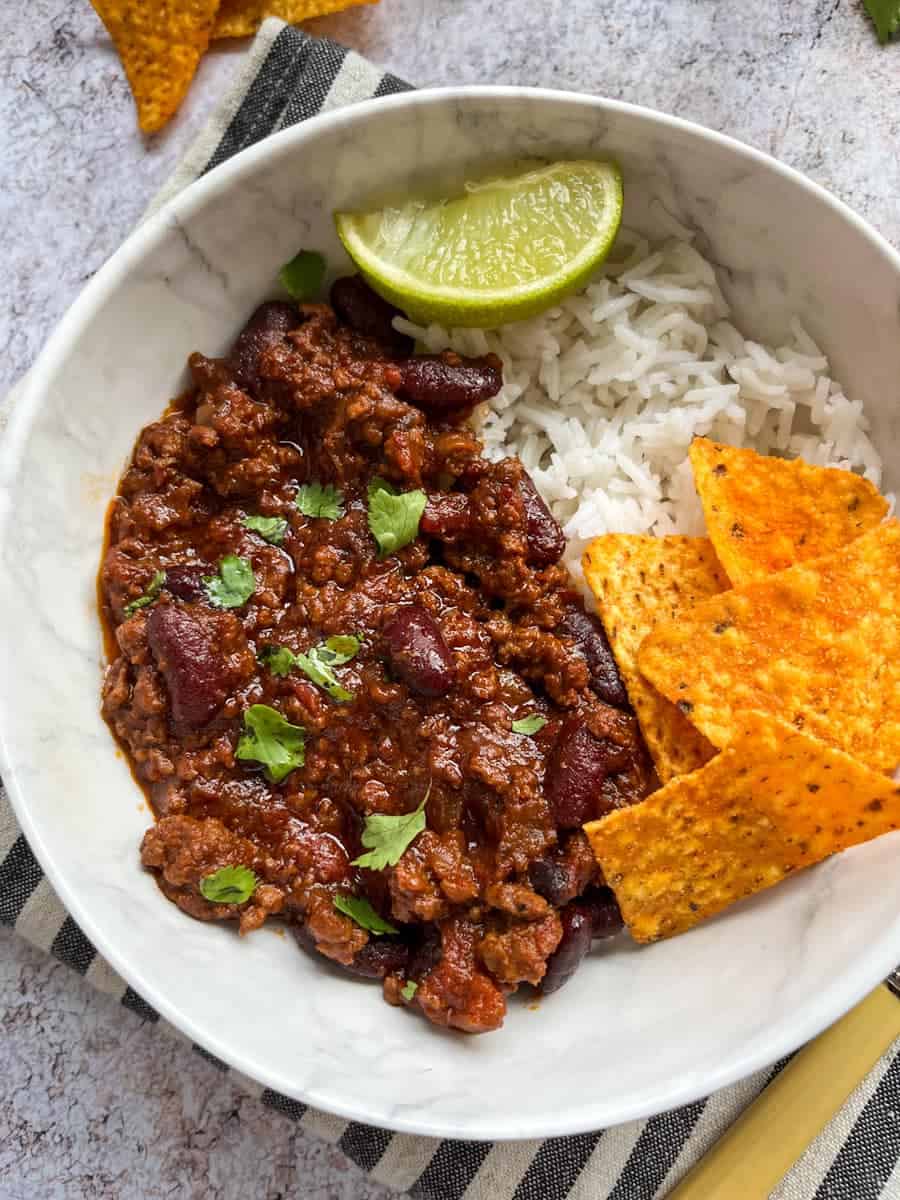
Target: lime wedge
point(503, 250)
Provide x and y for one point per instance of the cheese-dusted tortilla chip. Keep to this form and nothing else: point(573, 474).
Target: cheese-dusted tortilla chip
point(241, 18)
point(764, 514)
point(817, 645)
point(773, 802)
point(160, 43)
point(638, 583)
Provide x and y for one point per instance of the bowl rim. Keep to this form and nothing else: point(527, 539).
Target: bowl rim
point(815, 1014)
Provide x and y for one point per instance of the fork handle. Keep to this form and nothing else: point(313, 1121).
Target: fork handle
point(767, 1139)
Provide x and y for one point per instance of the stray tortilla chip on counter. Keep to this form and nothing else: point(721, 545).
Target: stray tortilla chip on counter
point(765, 514)
point(638, 583)
point(817, 645)
point(241, 18)
point(160, 43)
point(773, 802)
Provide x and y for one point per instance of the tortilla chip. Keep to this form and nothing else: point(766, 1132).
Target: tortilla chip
point(638, 583)
point(773, 802)
point(765, 514)
point(160, 43)
point(241, 18)
point(817, 645)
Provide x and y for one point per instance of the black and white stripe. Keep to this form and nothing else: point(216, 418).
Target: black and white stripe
point(292, 77)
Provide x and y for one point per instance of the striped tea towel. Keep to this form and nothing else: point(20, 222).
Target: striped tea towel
point(288, 77)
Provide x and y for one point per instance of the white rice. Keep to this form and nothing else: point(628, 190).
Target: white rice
point(603, 394)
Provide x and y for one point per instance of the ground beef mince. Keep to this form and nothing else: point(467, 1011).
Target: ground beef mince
point(466, 630)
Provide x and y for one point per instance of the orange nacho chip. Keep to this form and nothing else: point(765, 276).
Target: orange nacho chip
point(817, 645)
point(160, 43)
point(765, 514)
point(640, 582)
point(773, 802)
point(241, 18)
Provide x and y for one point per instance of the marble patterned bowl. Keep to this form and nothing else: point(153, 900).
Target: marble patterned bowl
point(638, 1030)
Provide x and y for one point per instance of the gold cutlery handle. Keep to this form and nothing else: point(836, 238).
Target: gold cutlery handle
point(767, 1139)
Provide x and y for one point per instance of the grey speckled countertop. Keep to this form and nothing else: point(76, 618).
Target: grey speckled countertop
point(92, 1104)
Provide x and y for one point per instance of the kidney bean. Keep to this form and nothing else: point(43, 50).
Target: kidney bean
point(606, 920)
point(189, 658)
point(546, 540)
point(186, 581)
point(578, 764)
point(590, 637)
point(269, 323)
point(368, 313)
point(380, 956)
point(576, 941)
point(445, 383)
point(551, 879)
point(447, 516)
point(417, 652)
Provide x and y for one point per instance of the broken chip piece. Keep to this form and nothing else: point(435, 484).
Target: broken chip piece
point(765, 514)
point(160, 43)
point(817, 645)
point(241, 18)
point(774, 801)
point(638, 583)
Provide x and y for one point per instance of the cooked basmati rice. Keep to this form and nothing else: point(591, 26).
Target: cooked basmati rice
point(603, 394)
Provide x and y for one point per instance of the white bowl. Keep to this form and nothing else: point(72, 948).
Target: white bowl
point(638, 1030)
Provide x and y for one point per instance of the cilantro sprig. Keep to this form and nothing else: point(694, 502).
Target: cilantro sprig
point(270, 739)
point(316, 664)
point(228, 885)
point(886, 16)
point(320, 500)
point(394, 516)
point(529, 725)
point(361, 911)
point(234, 584)
point(409, 989)
point(386, 837)
point(272, 529)
point(303, 275)
point(154, 587)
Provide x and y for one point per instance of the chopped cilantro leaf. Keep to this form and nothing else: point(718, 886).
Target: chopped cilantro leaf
point(394, 516)
point(342, 647)
point(529, 725)
point(320, 500)
point(361, 911)
point(272, 529)
point(386, 838)
point(303, 275)
point(234, 584)
point(409, 989)
point(317, 667)
point(154, 587)
point(229, 885)
point(886, 15)
point(271, 740)
point(278, 659)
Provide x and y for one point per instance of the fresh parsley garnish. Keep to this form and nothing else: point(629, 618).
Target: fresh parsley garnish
point(234, 584)
point(361, 911)
point(154, 587)
point(529, 725)
point(320, 500)
point(317, 664)
point(409, 989)
point(270, 739)
point(278, 659)
point(886, 15)
point(272, 529)
point(228, 885)
point(303, 275)
point(386, 838)
point(394, 516)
